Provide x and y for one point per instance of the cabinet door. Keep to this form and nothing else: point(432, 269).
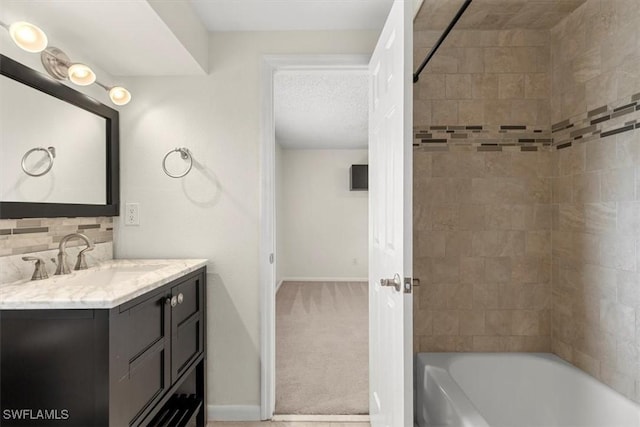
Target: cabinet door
point(187, 318)
point(142, 343)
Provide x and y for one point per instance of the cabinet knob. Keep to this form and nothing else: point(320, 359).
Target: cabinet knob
point(173, 301)
point(180, 298)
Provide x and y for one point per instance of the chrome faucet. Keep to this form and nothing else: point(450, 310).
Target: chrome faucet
point(81, 263)
point(40, 271)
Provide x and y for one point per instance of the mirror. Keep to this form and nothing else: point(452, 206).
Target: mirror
point(58, 148)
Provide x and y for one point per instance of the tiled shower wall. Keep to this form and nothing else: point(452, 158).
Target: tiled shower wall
point(482, 248)
point(488, 78)
point(592, 204)
point(482, 192)
point(596, 194)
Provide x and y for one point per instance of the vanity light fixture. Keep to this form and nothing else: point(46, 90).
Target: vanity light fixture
point(81, 74)
point(27, 36)
point(60, 67)
point(56, 63)
point(117, 94)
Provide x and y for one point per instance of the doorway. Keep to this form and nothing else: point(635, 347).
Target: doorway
point(302, 274)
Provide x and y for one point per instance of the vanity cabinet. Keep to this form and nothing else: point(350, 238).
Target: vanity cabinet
point(141, 363)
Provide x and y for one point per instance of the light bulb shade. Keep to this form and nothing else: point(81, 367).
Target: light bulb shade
point(119, 95)
point(81, 75)
point(28, 36)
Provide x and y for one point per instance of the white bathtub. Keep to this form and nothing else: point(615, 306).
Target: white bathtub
point(514, 390)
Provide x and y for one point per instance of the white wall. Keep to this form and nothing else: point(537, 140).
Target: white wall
point(323, 224)
point(213, 212)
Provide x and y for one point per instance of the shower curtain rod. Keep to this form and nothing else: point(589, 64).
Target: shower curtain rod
point(454, 21)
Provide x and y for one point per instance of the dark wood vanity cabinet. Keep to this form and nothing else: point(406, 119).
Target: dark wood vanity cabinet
point(139, 364)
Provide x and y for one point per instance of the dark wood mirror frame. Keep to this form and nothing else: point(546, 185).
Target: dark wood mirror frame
point(16, 71)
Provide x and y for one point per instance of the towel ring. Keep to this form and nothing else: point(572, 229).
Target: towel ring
point(185, 154)
point(51, 152)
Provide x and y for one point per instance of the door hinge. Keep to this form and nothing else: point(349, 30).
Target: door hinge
point(271, 258)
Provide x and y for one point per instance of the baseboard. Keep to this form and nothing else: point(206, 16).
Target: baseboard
point(233, 412)
point(325, 279)
point(322, 418)
point(278, 285)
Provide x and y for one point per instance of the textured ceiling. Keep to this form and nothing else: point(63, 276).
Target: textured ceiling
point(321, 109)
point(284, 15)
point(495, 14)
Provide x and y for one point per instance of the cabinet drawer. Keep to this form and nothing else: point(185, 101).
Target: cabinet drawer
point(147, 381)
point(187, 294)
point(146, 322)
point(186, 324)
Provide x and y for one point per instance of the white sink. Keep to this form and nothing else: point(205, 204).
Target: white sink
point(110, 275)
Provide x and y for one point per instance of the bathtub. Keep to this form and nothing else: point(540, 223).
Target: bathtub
point(514, 390)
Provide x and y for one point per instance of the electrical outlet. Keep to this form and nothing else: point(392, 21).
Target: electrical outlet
point(132, 214)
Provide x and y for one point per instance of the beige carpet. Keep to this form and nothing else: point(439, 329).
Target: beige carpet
point(322, 348)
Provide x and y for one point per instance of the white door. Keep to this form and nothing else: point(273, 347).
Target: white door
point(390, 221)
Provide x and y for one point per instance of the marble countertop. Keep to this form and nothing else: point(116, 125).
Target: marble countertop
point(106, 285)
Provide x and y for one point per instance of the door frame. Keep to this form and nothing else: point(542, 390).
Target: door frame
point(269, 66)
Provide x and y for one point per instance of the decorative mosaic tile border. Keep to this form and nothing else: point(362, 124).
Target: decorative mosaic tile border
point(21, 236)
point(482, 138)
point(608, 120)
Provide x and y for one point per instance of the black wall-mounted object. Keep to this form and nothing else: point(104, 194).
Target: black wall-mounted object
point(359, 178)
point(25, 75)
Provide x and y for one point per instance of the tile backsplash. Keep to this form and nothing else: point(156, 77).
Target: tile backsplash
point(21, 236)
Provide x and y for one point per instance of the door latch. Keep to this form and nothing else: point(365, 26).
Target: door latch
point(410, 283)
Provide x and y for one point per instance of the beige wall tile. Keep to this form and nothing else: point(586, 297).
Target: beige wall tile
point(586, 65)
point(472, 217)
point(618, 319)
point(586, 187)
point(471, 269)
point(599, 156)
point(430, 244)
point(444, 112)
point(511, 86)
point(421, 113)
point(486, 295)
point(497, 270)
point(458, 86)
point(472, 322)
point(431, 86)
point(510, 59)
point(445, 323)
point(498, 322)
point(627, 149)
point(471, 111)
point(523, 111)
point(572, 161)
point(618, 185)
point(537, 86)
point(471, 60)
point(488, 343)
point(484, 86)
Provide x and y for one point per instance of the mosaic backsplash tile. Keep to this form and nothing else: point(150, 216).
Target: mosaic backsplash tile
point(601, 122)
point(21, 236)
point(482, 138)
point(607, 120)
